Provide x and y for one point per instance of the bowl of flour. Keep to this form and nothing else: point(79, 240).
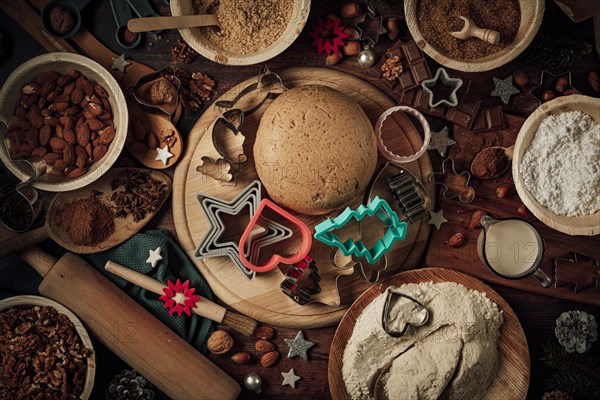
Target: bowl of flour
point(556, 164)
point(472, 346)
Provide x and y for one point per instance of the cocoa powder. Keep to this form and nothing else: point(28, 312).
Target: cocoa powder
point(490, 163)
point(437, 18)
point(87, 221)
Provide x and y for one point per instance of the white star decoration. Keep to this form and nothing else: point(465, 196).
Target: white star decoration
point(154, 257)
point(290, 378)
point(437, 219)
point(120, 63)
point(163, 154)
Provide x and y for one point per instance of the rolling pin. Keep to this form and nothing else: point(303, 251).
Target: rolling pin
point(129, 331)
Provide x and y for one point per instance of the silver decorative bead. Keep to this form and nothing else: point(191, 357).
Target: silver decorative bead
point(366, 57)
point(253, 382)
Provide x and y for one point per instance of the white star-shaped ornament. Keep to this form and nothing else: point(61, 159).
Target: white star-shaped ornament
point(154, 257)
point(298, 346)
point(437, 219)
point(163, 154)
point(440, 141)
point(290, 378)
point(120, 63)
point(504, 88)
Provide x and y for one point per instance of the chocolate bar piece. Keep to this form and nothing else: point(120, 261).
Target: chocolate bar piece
point(419, 100)
point(489, 119)
point(466, 110)
point(416, 69)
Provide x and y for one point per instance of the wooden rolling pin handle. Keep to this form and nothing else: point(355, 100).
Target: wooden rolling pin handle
point(204, 307)
point(23, 241)
point(41, 261)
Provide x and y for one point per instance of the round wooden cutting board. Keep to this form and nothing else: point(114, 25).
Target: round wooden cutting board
point(261, 298)
point(512, 378)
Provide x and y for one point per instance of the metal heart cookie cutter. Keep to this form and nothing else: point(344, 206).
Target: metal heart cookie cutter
point(383, 148)
point(404, 312)
point(396, 230)
point(141, 90)
point(275, 259)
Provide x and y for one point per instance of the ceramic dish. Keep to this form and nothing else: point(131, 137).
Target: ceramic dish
point(582, 225)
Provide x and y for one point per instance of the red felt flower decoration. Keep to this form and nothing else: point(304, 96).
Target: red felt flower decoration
point(179, 297)
point(328, 36)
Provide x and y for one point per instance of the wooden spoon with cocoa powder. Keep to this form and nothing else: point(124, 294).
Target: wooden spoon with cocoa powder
point(102, 190)
point(492, 162)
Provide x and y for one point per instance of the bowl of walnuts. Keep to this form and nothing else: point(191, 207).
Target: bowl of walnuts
point(65, 113)
point(249, 32)
point(44, 350)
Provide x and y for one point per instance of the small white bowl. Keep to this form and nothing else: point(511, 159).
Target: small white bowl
point(31, 301)
point(195, 38)
point(61, 63)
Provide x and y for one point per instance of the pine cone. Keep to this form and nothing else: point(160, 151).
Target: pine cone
point(556, 395)
point(576, 330)
point(129, 385)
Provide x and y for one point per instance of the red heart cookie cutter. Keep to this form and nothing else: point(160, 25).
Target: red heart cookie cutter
point(275, 259)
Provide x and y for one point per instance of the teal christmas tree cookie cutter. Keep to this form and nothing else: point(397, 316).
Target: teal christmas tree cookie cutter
point(396, 230)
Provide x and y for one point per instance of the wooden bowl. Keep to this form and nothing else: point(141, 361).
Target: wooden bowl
point(532, 12)
point(23, 301)
point(195, 38)
point(588, 225)
point(63, 62)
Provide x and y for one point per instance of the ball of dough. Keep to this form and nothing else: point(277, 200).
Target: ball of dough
point(315, 150)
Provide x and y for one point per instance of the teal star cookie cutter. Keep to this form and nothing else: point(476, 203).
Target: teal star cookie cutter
point(396, 230)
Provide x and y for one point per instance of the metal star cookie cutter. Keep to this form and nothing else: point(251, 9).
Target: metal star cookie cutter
point(429, 85)
point(379, 208)
point(174, 84)
point(465, 196)
point(362, 27)
point(548, 82)
point(301, 281)
point(593, 274)
point(210, 246)
point(418, 314)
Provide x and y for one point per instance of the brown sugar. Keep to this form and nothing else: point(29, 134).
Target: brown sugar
point(86, 221)
point(436, 18)
point(246, 26)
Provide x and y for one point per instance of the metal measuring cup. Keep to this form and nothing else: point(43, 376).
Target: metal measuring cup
point(73, 6)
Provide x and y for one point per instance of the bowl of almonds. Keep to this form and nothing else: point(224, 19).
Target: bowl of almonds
point(66, 113)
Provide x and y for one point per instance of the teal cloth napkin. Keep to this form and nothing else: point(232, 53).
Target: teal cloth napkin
point(175, 265)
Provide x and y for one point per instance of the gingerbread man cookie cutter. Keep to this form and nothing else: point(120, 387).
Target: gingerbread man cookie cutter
point(450, 177)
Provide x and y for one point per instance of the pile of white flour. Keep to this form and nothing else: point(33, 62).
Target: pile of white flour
point(561, 167)
point(453, 356)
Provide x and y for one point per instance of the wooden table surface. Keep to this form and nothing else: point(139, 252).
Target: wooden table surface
point(536, 313)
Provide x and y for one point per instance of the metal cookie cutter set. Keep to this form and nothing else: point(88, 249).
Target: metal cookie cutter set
point(216, 162)
point(301, 281)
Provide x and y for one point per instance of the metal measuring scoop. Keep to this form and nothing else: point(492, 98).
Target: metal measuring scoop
point(72, 6)
point(403, 311)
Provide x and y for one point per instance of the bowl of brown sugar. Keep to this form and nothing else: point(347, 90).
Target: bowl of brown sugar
point(513, 24)
point(250, 32)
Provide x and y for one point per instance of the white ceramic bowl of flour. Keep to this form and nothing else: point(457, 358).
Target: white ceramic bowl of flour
point(556, 164)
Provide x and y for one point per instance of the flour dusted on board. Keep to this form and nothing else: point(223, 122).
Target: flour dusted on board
point(561, 167)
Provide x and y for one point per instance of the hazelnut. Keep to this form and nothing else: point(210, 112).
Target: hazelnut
point(351, 49)
point(503, 191)
point(264, 332)
point(456, 240)
point(129, 37)
point(393, 26)
point(269, 359)
point(521, 78)
point(264, 346)
point(523, 211)
point(571, 91)
point(351, 10)
point(333, 59)
point(561, 84)
point(547, 95)
point(353, 33)
point(61, 20)
point(220, 342)
point(476, 219)
point(243, 357)
point(160, 92)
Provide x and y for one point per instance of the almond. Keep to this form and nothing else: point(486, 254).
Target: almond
point(61, 98)
point(73, 74)
point(77, 95)
point(456, 240)
point(32, 137)
point(476, 219)
point(56, 172)
point(83, 83)
point(69, 88)
point(94, 123)
point(106, 105)
point(81, 161)
point(99, 90)
point(31, 100)
point(99, 152)
point(264, 332)
point(152, 141)
point(44, 77)
point(94, 109)
point(59, 106)
point(69, 154)
point(44, 135)
point(243, 357)
point(60, 164)
point(35, 117)
point(24, 125)
point(39, 151)
point(52, 121)
point(82, 131)
point(72, 110)
point(220, 342)
point(59, 132)
point(107, 135)
point(51, 158)
point(57, 143)
point(47, 88)
point(67, 121)
point(45, 112)
point(31, 88)
point(80, 151)
point(264, 346)
point(64, 80)
point(104, 116)
point(89, 150)
point(41, 105)
point(269, 359)
point(21, 113)
point(77, 172)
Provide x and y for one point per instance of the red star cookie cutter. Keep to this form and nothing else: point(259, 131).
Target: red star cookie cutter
point(328, 36)
point(179, 297)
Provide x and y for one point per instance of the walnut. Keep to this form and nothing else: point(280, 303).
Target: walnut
point(61, 20)
point(161, 92)
point(392, 68)
point(182, 52)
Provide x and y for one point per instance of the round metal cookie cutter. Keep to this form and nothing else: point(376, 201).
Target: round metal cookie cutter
point(387, 153)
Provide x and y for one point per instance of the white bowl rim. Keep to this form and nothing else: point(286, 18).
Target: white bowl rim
point(12, 86)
